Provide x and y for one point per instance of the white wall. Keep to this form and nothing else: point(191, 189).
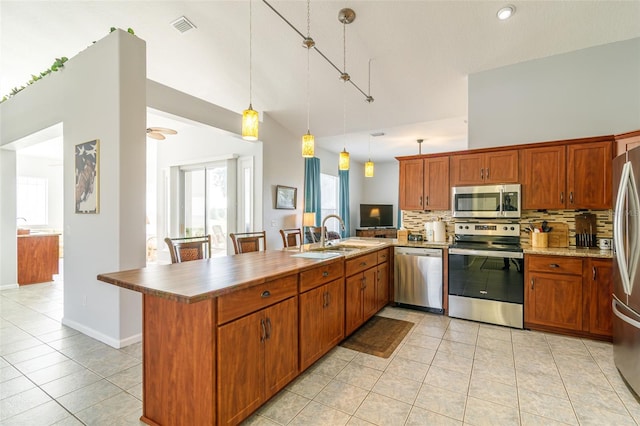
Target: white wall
point(52, 171)
point(382, 188)
point(589, 92)
point(99, 94)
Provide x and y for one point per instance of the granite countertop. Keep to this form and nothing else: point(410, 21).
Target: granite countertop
point(569, 251)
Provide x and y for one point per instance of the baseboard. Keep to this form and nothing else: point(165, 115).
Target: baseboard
point(115, 343)
point(9, 286)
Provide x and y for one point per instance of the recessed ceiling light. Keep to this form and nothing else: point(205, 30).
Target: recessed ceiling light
point(506, 12)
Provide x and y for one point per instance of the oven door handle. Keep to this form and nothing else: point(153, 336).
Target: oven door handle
point(488, 253)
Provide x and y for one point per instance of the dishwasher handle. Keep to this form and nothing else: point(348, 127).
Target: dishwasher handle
point(416, 251)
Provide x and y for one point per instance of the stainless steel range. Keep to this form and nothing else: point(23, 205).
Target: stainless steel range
point(486, 273)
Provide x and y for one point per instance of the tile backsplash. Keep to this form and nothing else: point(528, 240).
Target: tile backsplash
point(414, 221)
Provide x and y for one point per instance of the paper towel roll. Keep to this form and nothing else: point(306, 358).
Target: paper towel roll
point(428, 230)
point(439, 231)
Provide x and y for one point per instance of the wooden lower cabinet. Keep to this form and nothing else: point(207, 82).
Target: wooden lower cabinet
point(382, 285)
point(599, 276)
point(321, 321)
point(367, 288)
point(569, 295)
point(360, 303)
point(257, 356)
point(554, 300)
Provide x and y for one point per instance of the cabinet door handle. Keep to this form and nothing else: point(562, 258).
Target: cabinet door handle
point(325, 274)
point(481, 174)
point(532, 283)
point(594, 273)
point(269, 328)
point(554, 265)
point(265, 293)
point(325, 302)
point(364, 283)
point(420, 201)
point(263, 337)
point(487, 173)
point(562, 197)
point(328, 298)
point(571, 197)
point(427, 201)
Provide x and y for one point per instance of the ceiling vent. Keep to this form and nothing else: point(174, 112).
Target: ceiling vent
point(182, 24)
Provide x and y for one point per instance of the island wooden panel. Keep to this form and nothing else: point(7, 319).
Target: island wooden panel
point(38, 257)
point(178, 354)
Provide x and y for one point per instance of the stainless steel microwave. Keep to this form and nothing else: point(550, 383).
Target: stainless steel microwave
point(487, 201)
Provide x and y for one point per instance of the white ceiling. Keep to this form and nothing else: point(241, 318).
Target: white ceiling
point(421, 52)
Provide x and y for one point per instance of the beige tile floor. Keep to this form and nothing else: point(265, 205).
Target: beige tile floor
point(446, 371)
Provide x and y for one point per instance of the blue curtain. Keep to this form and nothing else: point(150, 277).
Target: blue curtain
point(343, 207)
point(312, 200)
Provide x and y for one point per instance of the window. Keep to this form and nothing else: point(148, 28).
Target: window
point(32, 200)
point(329, 192)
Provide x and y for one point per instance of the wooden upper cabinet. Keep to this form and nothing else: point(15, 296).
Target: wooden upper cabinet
point(424, 184)
point(411, 184)
point(484, 168)
point(436, 183)
point(627, 141)
point(543, 175)
point(589, 175)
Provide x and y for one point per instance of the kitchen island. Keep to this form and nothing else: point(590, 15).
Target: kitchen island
point(38, 257)
point(221, 336)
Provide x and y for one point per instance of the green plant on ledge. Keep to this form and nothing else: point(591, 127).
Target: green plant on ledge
point(57, 64)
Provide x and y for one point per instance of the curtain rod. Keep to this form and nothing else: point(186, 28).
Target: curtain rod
point(368, 97)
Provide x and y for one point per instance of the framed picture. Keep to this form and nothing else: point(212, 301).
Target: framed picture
point(286, 197)
point(87, 190)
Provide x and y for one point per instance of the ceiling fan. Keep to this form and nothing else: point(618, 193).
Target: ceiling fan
point(159, 132)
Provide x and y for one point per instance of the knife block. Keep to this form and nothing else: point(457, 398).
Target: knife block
point(586, 230)
point(539, 239)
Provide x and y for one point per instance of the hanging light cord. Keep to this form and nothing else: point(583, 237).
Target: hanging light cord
point(316, 49)
point(344, 92)
point(250, 57)
point(308, 67)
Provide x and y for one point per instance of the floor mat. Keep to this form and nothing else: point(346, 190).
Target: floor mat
point(379, 336)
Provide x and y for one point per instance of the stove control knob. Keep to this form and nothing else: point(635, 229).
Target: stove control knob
point(466, 227)
point(513, 229)
point(504, 228)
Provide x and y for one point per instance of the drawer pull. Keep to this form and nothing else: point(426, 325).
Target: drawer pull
point(325, 274)
point(363, 263)
point(266, 293)
point(554, 265)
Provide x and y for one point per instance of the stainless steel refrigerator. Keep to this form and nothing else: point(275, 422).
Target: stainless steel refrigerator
point(626, 276)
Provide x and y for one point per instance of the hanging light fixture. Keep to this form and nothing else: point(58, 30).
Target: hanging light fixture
point(308, 141)
point(368, 166)
point(250, 116)
point(345, 16)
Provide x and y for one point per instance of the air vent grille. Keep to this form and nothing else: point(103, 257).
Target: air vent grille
point(182, 24)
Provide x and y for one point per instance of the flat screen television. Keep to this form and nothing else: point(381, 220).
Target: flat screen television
point(376, 215)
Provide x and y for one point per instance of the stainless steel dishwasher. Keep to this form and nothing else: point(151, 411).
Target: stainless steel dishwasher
point(418, 278)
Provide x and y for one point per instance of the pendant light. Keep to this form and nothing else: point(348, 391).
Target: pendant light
point(308, 141)
point(368, 166)
point(250, 116)
point(346, 16)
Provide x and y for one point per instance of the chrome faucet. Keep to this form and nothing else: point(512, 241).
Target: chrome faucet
point(322, 228)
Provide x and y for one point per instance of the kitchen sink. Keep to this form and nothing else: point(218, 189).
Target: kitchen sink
point(336, 248)
point(318, 254)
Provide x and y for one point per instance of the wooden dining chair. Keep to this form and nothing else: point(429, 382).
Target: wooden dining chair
point(245, 242)
point(189, 248)
point(291, 237)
